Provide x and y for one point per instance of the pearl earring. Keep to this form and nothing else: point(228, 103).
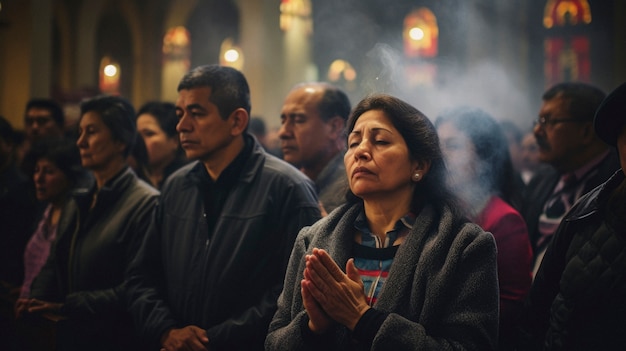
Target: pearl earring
point(416, 177)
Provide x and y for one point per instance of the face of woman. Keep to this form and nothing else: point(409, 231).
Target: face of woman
point(377, 161)
point(50, 182)
point(459, 153)
point(161, 148)
point(95, 142)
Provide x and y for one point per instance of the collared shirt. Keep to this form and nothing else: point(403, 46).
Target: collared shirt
point(373, 258)
point(566, 192)
point(216, 192)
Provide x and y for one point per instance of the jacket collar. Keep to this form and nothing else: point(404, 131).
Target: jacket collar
point(592, 202)
point(248, 172)
point(111, 190)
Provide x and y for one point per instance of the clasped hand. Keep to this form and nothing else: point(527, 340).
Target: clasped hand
point(190, 338)
point(329, 295)
point(36, 306)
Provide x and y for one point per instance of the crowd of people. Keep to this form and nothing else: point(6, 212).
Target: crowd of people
point(178, 226)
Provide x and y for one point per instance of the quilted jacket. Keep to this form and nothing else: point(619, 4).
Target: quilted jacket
point(577, 301)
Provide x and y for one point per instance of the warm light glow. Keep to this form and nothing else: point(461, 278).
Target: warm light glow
point(421, 34)
point(176, 42)
point(231, 55)
point(294, 10)
point(339, 68)
point(110, 74)
point(416, 33)
point(110, 70)
point(566, 12)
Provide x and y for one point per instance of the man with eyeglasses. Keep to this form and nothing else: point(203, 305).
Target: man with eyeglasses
point(577, 299)
point(580, 160)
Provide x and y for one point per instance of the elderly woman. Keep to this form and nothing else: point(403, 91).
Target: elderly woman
point(417, 274)
point(482, 174)
point(98, 234)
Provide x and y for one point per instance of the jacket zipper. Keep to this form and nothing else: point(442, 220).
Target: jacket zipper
point(72, 249)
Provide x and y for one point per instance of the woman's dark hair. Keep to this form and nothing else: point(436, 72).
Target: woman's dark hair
point(117, 114)
point(495, 169)
point(62, 152)
point(423, 144)
point(165, 115)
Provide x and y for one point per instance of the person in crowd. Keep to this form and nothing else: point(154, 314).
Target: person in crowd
point(18, 210)
point(258, 128)
point(579, 159)
point(313, 120)
point(513, 135)
point(138, 159)
point(43, 118)
point(529, 158)
point(156, 124)
point(577, 298)
point(98, 234)
point(418, 275)
point(477, 157)
point(56, 169)
point(210, 270)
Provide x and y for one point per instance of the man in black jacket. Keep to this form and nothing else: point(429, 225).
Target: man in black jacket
point(577, 298)
point(579, 160)
point(212, 265)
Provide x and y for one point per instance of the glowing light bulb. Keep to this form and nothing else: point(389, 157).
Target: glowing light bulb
point(110, 70)
point(231, 55)
point(416, 33)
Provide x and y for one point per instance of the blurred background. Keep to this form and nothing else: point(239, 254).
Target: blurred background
point(497, 55)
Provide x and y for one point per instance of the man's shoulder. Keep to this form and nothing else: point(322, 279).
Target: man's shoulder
point(275, 167)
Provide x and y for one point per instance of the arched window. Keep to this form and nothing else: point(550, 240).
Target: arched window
point(421, 34)
point(566, 47)
point(566, 12)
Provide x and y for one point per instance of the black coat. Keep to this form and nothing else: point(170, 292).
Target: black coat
point(226, 281)
point(88, 262)
point(577, 301)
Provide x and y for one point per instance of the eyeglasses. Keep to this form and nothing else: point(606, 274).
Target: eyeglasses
point(542, 121)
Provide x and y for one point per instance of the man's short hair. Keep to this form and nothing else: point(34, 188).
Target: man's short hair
point(334, 102)
point(56, 112)
point(582, 99)
point(229, 87)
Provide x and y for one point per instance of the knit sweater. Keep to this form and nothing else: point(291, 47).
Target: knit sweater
point(441, 292)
